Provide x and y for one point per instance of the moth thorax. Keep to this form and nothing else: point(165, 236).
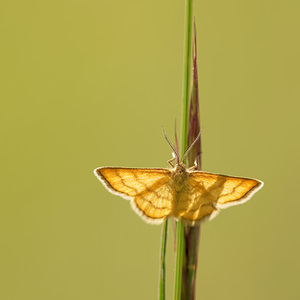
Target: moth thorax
point(179, 176)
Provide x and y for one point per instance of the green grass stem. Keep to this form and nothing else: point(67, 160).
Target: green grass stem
point(179, 257)
point(187, 72)
point(162, 280)
point(184, 138)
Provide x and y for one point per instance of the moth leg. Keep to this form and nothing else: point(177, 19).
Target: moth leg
point(194, 167)
point(172, 159)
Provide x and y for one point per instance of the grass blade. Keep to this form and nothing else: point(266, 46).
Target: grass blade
point(162, 279)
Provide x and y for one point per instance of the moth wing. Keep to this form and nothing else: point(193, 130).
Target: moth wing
point(149, 190)
point(208, 192)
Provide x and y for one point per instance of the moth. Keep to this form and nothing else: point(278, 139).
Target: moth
point(180, 192)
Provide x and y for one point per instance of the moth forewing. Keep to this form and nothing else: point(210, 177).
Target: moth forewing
point(227, 190)
point(247, 196)
point(146, 188)
point(107, 185)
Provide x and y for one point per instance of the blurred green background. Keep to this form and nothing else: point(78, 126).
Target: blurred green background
point(90, 83)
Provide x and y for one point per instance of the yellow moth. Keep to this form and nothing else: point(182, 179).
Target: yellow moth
point(179, 192)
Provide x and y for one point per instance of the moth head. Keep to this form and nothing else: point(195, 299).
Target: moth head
point(180, 168)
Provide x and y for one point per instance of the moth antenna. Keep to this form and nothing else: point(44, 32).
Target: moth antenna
point(171, 145)
point(191, 146)
point(176, 143)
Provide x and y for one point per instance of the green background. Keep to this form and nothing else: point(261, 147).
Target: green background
point(90, 83)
